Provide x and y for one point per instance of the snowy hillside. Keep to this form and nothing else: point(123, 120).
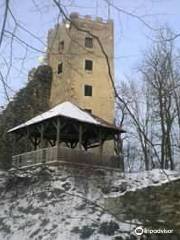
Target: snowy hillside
point(67, 203)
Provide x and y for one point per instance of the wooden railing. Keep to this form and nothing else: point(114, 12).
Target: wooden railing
point(60, 154)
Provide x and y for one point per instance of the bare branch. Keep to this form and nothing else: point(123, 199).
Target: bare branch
point(23, 42)
point(25, 29)
point(173, 38)
point(4, 86)
point(140, 19)
point(4, 21)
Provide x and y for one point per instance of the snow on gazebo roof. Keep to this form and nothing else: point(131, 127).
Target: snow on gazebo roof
point(68, 110)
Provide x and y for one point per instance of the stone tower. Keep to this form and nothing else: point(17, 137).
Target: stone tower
point(80, 72)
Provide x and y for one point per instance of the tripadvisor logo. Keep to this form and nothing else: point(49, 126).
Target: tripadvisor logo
point(139, 231)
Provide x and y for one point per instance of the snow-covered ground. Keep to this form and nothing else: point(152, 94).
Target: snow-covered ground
point(139, 180)
point(67, 203)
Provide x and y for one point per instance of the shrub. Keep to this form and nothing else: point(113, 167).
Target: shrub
point(86, 232)
point(108, 228)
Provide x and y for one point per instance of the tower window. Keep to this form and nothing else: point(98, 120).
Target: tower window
point(89, 42)
point(88, 65)
point(61, 46)
point(87, 90)
point(60, 68)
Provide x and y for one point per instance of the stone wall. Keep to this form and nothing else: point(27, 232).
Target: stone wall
point(156, 207)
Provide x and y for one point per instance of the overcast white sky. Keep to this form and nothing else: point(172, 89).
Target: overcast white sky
point(132, 37)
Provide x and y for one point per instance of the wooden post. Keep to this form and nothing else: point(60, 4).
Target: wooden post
point(42, 136)
point(80, 136)
point(14, 144)
point(43, 152)
point(27, 140)
point(101, 143)
point(58, 126)
point(35, 143)
point(58, 132)
point(14, 160)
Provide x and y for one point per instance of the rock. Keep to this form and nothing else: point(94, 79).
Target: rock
point(106, 189)
point(81, 206)
point(120, 188)
point(155, 181)
point(118, 238)
point(66, 186)
point(75, 229)
point(58, 191)
point(115, 189)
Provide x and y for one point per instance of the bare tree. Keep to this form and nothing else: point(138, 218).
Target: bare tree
point(158, 72)
point(138, 131)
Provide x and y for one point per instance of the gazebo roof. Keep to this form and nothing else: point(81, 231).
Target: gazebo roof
point(67, 110)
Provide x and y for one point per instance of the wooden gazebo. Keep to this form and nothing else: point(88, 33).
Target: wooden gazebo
point(66, 133)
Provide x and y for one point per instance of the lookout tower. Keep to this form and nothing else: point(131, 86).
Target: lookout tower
point(80, 72)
